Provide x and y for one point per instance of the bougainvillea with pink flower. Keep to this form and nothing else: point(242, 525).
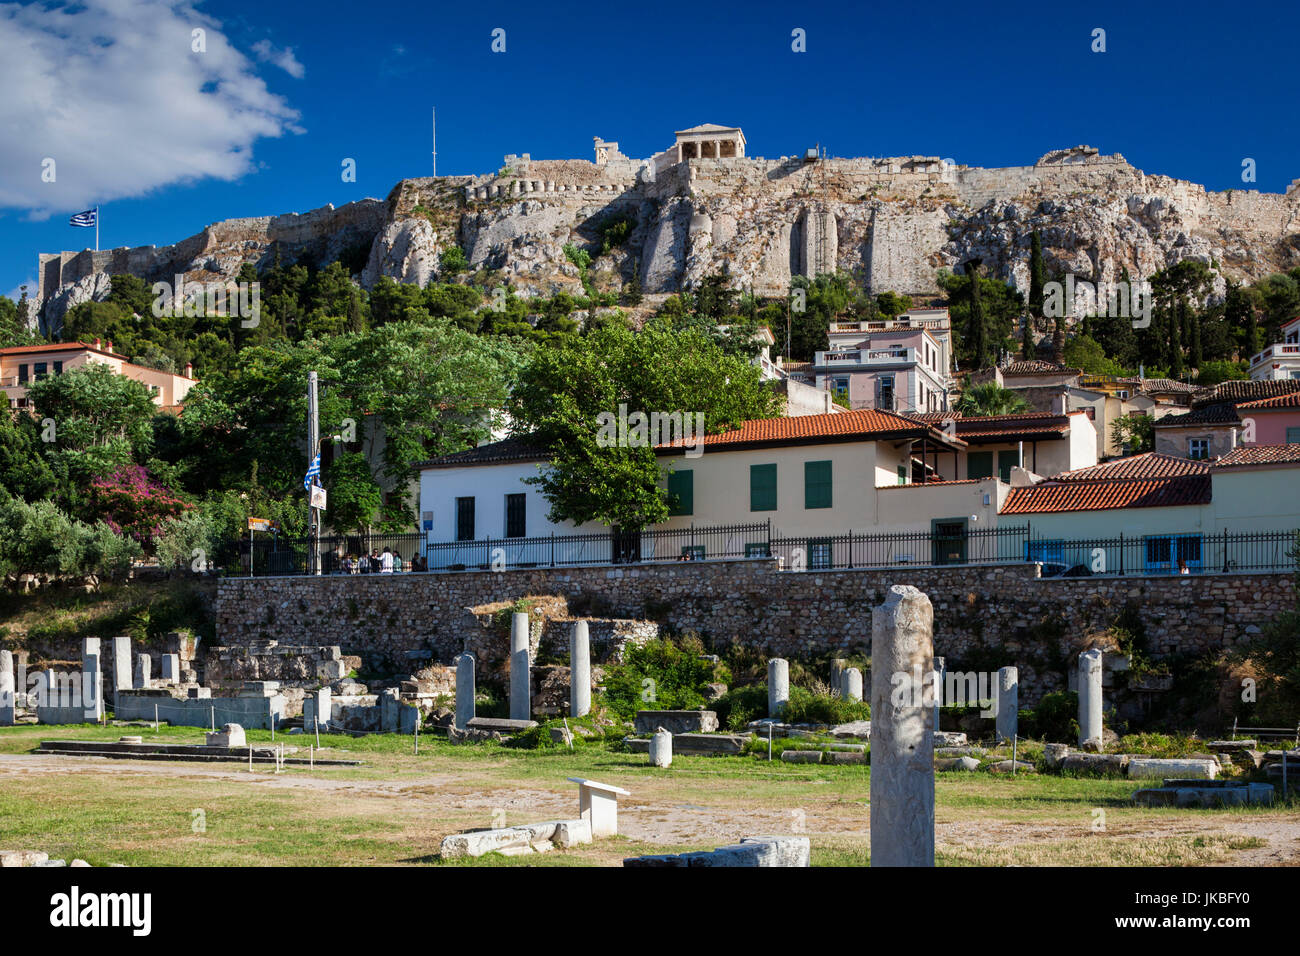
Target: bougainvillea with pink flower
point(133, 504)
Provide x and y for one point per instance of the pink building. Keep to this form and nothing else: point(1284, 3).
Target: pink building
point(1273, 421)
point(22, 365)
point(896, 368)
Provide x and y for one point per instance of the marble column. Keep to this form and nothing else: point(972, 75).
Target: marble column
point(1090, 700)
point(520, 697)
point(778, 686)
point(464, 690)
point(579, 670)
point(8, 696)
point(902, 745)
point(1007, 720)
point(851, 688)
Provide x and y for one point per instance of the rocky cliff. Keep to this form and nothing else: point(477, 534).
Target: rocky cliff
point(893, 222)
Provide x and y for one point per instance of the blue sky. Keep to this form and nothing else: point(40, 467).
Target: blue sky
point(167, 140)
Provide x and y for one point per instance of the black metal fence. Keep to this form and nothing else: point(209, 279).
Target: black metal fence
point(1159, 553)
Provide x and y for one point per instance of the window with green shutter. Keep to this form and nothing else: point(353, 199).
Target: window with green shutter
point(1293, 436)
point(816, 484)
point(979, 464)
point(902, 474)
point(1006, 461)
point(762, 487)
point(681, 492)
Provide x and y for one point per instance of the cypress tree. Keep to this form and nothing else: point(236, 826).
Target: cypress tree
point(1037, 275)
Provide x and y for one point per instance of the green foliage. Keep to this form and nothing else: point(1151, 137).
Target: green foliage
point(740, 705)
point(452, 261)
point(184, 539)
point(999, 304)
point(1086, 353)
point(563, 390)
point(991, 399)
point(40, 539)
point(615, 231)
point(1135, 433)
point(1215, 372)
point(659, 675)
point(805, 707)
point(1054, 719)
point(1272, 658)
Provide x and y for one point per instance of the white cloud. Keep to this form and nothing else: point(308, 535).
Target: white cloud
point(113, 93)
point(284, 59)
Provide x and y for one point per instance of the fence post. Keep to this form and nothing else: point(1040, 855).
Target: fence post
point(1225, 550)
point(552, 549)
point(1121, 554)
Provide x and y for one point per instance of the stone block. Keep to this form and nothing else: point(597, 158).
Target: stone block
point(676, 721)
point(709, 744)
point(749, 852)
point(1097, 765)
point(801, 756)
point(1155, 768)
point(230, 735)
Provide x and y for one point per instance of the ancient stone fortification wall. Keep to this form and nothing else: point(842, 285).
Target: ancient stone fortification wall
point(984, 616)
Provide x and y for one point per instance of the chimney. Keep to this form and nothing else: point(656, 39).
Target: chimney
point(189, 369)
point(109, 347)
point(96, 341)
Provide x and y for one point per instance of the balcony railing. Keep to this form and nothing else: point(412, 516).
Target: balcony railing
point(1281, 350)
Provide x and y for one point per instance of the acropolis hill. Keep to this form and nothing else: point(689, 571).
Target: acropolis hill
point(703, 206)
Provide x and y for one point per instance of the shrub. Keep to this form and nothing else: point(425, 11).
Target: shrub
point(1054, 719)
point(660, 675)
point(805, 707)
point(739, 705)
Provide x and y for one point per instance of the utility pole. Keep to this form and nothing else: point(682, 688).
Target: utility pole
point(313, 447)
point(433, 130)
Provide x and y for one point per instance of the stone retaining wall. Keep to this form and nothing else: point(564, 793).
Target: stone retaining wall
point(985, 616)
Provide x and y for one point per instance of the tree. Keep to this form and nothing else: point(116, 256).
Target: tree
point(991, 398)
point(1001, 304)
point(1037, 275)
point(1239, 313)
point(1134, 433)
point(354, 496)
point(1178, 290)
point(24, 472)
point(98, 421)
point(38, 538)
point(1085, 353)
point(976, 329)
point(133, 504)
point(562, 391)
point(891, 304)
point(13, 323)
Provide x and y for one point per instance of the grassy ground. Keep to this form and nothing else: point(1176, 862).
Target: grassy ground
point(397, 807)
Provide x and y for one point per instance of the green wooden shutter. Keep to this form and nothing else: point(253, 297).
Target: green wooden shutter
point(979, 464)
point(1293, 436)
point(816, 484)
point(762, 487)
point(681, 492)
point(1006, 461)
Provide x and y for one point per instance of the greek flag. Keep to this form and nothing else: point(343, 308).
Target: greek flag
point(313, 473)
point(87, 218)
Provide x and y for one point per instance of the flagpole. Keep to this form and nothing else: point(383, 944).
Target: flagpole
point(96, 228)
